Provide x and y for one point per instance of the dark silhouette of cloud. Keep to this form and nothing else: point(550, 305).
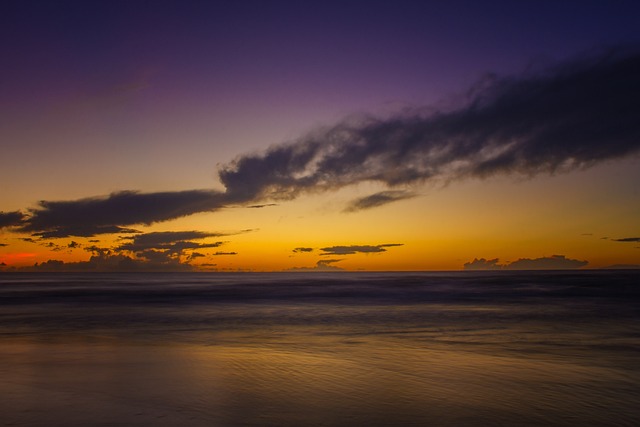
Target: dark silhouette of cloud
point(155, 251)
point(262, 206)
point(568, 117)
point(322, 265)
point(99, 251)
point(301, 250)
point(378, 199)
point(100, 215)
point(167, 246)
point(353, 249)
point(11, 219)
point(105, 263)
point(52, 246)
point(195, 255)
point(571, 116)
point(3, 244)
point(554, 262)
point(628, 239)
point(483, 264)
point(328, 261)
point(622, 267)
point(164, 239)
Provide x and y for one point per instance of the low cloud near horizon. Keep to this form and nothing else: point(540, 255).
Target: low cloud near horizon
point(321, 265)
point(554, 262)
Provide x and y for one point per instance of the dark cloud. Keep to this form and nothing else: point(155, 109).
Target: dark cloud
point(328, 261)
point(628, 239)
point(322, 265)
point(301, 250)
point(622, 267)
point(195, 255)
point(156, 251)
point(106, 263)
point(111, 214)
point(571, 116)
point(52, 246)
point(158, 257)
point(98, 251)
point(11, 219)
point(353, 249)
point(3, 244)
point(164, 239)
point(568, 117)
point(167, 246)
point(261, 206)
point(554, 262)
point(378, 199)
point(483, 264)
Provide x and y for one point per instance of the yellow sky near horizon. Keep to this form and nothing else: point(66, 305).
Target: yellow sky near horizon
point(577, 214)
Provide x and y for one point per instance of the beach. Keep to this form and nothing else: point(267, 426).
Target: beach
point(438, 349)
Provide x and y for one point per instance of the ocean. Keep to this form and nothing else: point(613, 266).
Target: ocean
point(320, 349)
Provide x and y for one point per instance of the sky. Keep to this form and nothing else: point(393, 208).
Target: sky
point(319, 136)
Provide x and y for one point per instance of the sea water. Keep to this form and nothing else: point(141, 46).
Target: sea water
point(307, 349)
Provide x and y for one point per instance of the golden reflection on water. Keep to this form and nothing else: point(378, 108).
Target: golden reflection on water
point(264, 378)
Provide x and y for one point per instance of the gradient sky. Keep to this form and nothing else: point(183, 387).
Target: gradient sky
point(269, 135)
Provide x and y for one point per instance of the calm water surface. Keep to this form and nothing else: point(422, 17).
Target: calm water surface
point(426, 349)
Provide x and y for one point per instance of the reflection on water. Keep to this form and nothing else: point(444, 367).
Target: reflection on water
point(383, 350)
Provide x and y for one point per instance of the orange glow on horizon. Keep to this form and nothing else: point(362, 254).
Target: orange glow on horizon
point(18, 259)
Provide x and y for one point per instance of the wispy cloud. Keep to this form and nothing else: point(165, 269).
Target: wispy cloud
point(379, 199)
point(354, 249)
point(265, 205)
point(627, 239)
point(571, 116)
